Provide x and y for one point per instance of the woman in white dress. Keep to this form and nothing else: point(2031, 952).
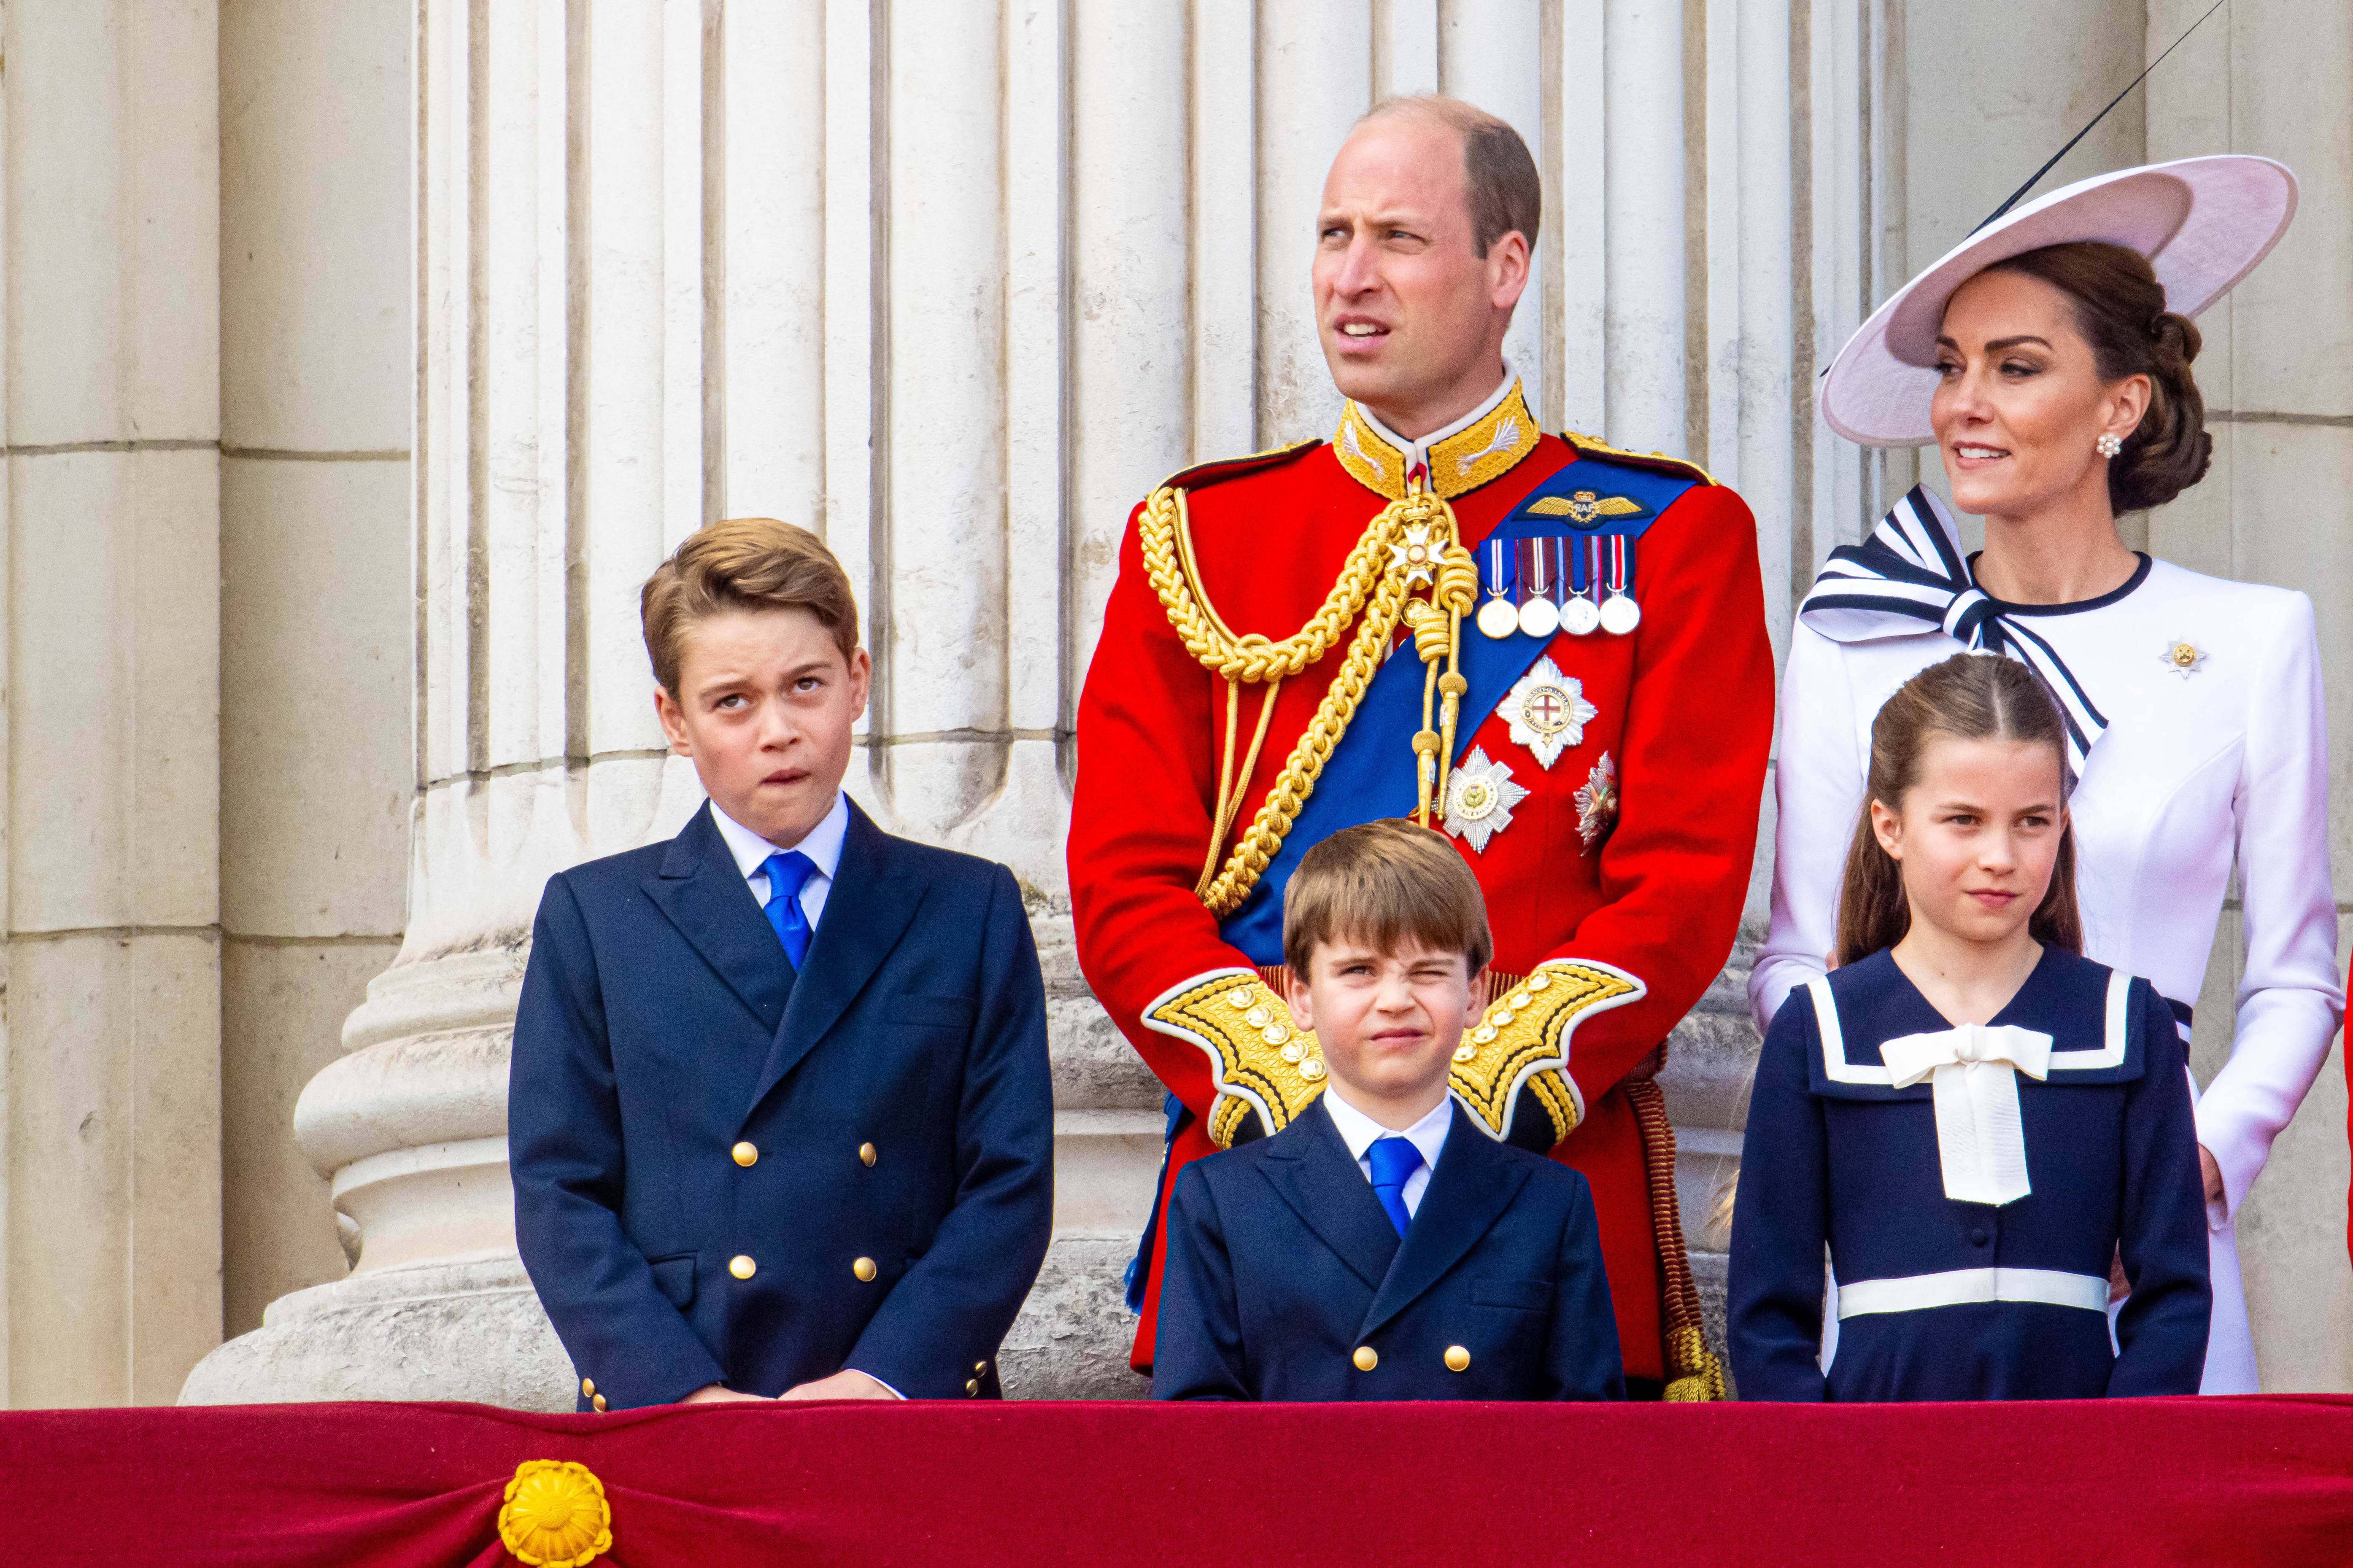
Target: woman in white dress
point(2049, 360)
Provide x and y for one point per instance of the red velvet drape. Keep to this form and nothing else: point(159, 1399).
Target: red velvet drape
point(2266, 1480)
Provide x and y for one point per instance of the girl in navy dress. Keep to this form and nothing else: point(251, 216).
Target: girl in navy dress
point(1974, 1119)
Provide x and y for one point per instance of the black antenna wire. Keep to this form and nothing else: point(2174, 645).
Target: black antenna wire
point(2020, 195)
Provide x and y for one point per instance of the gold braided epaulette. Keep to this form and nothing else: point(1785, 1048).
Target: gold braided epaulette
point(1522, 1043)
point(1258, 1059)
point(1658, 462)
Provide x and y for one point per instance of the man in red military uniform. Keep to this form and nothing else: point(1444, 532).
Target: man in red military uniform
point(1551, 651)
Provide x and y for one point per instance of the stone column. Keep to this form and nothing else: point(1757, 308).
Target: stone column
point(1313, 71)
point(110, 1237)
point(514, 774)
point(1641, 164)
point(318, 617)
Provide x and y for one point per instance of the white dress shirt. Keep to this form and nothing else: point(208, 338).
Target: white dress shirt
point(1359, 1132)
point(2226, 762)
point(822, 846)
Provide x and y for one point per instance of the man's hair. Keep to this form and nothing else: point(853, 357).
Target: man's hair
point(742, 563)
point(1499, 178)
point(1389, 884)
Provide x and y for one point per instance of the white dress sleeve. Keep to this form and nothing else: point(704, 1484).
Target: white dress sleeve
point(2290, 999)
point(1818, 786)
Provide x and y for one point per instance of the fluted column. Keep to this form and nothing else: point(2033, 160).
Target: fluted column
point(1490, 52)
point(318, 754)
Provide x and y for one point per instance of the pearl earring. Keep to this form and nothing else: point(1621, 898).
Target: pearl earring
point(2108, 446)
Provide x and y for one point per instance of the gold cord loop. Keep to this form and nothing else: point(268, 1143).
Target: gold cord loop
point(1164, 529)
point(1457, 590)
point(1431, 634)
point(1375, 583)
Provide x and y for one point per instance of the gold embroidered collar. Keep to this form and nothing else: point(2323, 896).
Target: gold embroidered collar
point(1483, 445)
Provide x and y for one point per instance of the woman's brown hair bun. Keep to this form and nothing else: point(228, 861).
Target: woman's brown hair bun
point(2120, 309)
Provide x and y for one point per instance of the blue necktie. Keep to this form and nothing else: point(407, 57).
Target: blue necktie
point(1393, 1159)
point(788, 872)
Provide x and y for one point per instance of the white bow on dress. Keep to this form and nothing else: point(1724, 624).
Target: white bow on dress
point(1973, 1070)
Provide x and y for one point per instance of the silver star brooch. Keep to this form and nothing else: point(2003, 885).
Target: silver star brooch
point(1480, 796)
point(1547, 711)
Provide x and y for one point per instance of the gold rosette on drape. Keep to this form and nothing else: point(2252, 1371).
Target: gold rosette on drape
point(555, 1515)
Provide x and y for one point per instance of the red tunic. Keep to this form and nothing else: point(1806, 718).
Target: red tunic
point(1685, 709)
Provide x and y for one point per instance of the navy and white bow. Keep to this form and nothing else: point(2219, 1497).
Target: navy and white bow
point(1910, 576)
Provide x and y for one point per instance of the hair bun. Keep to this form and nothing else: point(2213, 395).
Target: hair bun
point(2177, 337)
point(2120, 309)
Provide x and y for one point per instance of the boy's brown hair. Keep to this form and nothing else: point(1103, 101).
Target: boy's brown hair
point(742, 563)
point(1387, 884)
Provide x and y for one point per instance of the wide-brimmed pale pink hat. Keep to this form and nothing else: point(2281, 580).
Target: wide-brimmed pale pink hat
point(2203, 223)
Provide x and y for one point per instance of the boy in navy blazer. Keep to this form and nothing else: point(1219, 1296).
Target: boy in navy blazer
point(1381, 1246)
point(779, 1111)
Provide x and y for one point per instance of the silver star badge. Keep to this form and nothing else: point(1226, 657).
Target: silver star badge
point(1547, 711)
point(2182, 656)
point(1480, 796)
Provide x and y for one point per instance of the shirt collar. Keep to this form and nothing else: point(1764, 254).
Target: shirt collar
point(1358, 1130)
point(1482, 444)
point(822, 843)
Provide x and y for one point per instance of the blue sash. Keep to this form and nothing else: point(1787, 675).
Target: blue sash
point(1370, 773)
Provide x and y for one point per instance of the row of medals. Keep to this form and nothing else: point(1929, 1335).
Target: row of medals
point(1542, 614)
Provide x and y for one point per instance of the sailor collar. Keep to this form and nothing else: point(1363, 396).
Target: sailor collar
point(1483, 445)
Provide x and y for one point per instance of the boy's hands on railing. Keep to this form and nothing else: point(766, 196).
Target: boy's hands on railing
point(717, 1394)
point(847, 1384)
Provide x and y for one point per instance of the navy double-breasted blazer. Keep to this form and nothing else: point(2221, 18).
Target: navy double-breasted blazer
point(1939, 1298)
point(1284, 1271)
point(728, 1172)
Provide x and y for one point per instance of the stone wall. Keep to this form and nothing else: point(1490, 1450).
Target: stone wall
point(112, 1092)
point(425, 327)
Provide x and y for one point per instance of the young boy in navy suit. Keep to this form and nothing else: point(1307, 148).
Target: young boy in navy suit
point(1381, 1246)
point(779, 1114)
